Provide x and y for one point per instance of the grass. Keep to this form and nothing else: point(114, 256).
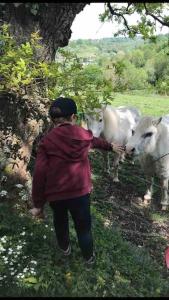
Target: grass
point(158, 217)
point(122, 269)
point(32, 266)
point(148, 103)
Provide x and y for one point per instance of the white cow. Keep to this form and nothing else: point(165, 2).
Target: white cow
point(150, 144)
point(114, 125)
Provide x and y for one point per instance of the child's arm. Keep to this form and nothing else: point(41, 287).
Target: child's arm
point(104, 145)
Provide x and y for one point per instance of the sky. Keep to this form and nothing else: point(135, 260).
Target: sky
point(87, 25)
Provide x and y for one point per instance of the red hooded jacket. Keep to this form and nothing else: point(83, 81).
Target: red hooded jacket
point(62, 169)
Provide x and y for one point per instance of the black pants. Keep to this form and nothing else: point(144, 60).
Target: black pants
point(79, 209)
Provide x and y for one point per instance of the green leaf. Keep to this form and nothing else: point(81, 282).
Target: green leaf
point(31, 280)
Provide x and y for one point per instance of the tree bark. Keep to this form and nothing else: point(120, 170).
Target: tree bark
point(53, 20)
point(22, 120)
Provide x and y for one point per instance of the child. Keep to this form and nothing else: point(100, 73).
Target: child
point(62, 176)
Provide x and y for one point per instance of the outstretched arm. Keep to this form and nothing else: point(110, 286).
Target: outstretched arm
point(100, 143)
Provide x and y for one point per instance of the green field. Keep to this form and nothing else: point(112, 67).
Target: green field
point(149, 104)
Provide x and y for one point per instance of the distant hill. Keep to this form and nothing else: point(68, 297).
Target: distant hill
point(106, 46)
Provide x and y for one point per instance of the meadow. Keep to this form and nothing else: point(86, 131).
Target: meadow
point(149, 103)
point(129, 263)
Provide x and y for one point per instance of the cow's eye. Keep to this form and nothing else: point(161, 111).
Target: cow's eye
point(100, 120)
point(148, 134)
point(133, 132)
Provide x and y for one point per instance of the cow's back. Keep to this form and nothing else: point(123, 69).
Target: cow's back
point(119, 122)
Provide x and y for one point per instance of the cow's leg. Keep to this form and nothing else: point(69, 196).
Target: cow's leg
point(106, 161)
point(149, 191)
point(115, 167)
point(164, 197)
point(122, 157)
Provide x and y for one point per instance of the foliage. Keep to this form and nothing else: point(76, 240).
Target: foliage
point(23, 70)
point(148, 15)
point(19, 67)
point(129, 64)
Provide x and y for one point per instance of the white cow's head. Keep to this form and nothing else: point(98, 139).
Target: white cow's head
point(144, 137)
point(95, 121)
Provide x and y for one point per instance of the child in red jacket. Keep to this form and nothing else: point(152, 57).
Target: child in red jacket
point(62, 176)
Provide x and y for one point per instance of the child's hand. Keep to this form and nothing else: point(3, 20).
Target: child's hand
point(37, 212)
point(117, 148)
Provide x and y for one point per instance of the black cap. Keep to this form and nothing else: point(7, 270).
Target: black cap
point(62, 107)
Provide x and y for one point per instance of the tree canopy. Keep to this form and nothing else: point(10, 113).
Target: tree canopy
point(149, 15)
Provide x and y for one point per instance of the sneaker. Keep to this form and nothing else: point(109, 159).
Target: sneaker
point(67, 251)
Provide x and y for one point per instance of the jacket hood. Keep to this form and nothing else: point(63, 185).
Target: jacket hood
point(70, 142)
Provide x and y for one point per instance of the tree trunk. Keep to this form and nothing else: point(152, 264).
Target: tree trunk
point(22, 120)
point(53, 20)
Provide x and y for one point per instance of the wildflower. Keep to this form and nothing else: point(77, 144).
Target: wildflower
point(34, 262)
point(23, 233)
point(3, 239)
point(4, 178)
point(19, 247)
point(2, 249)
point(24, 197)
point(3, 193)
point(44, 236)
point(19, 186)
point(25, 270)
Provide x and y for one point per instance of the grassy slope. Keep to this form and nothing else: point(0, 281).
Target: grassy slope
point(121, 270)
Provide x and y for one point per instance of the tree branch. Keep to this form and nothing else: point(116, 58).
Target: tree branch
point(114, 13)
point(155, 17)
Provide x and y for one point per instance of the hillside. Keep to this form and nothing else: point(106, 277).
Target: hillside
point(105, 46)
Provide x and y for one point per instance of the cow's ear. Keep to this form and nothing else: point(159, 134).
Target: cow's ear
point(156, 121)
